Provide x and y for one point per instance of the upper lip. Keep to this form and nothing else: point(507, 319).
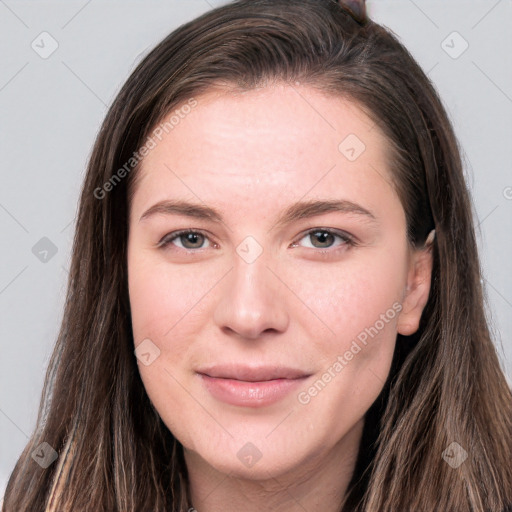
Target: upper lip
point(252, 373)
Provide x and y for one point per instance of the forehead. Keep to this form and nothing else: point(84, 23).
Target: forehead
point(279, 140)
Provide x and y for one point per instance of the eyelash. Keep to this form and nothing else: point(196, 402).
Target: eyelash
point(348, 240)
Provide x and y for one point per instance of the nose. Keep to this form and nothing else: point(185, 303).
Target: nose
point(252, 300)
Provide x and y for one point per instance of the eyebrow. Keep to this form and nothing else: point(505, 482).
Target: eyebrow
point(296, 211)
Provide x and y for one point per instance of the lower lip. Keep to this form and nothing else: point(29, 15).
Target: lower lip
point(250, 394)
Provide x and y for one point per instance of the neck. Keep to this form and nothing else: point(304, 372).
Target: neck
point(319, 484)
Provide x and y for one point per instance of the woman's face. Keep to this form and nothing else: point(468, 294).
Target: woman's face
point(265, 335)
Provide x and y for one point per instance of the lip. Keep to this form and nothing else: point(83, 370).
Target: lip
point(252, 373)
point(251, 386)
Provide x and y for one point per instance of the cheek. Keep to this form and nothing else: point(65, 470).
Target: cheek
point(360, 306)
point(353, 297)
point(335, 301)
point(163, 299)
point(162, 306)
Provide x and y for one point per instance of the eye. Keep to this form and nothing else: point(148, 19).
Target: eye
point(323, 238)
point(188, 239)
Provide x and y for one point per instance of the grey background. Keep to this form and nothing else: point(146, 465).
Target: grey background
point(51, 109)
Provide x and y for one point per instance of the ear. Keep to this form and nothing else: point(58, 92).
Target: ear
point(416, 291)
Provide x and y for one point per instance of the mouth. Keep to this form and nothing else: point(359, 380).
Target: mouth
point(251, 386)
point(252, 374)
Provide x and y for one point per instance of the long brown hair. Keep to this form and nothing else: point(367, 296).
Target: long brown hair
point(445, 386)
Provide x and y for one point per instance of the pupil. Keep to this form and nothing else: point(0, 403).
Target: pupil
point(322, 235)
point(192, 238)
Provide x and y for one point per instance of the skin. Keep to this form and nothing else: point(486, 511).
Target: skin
point(250, 155)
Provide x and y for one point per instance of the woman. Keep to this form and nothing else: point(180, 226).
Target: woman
point(275, 298)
